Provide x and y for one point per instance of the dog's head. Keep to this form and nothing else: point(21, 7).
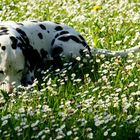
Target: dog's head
point(12, 62)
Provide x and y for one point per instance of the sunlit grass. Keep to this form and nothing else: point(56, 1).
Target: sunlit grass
point(98, 98)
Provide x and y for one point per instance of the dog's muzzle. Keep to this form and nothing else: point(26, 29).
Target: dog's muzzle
point(6, 87)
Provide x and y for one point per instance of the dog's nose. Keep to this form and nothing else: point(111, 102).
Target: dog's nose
point(10, 88)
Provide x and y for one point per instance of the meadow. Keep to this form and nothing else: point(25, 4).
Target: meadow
point(98, 98)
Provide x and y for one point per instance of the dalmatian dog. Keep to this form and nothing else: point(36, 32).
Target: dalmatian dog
point(26, 46)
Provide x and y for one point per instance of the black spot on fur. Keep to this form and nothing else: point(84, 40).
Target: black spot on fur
point(68, 37)
point(58, 28)
point(14, 42)
point(21, 31)
point(64, 38)
point(48, 32)
point(52, 42)
point(22, 42)
point(23, 35)
point(35, 58)
point(84, 43)
point(3, 28)
point(40, 35)
point(20, 45)
point(64, 32)
point(43, 53)
point(3, 31)
point(74, 38)
point(3, 48)
point(81, 38)
point(57, 51)
point(89, 50)
point(57, 62)
point(6, 31)
point(42, 27)
point(32, 56)
point(61, 33)
point(56, 35)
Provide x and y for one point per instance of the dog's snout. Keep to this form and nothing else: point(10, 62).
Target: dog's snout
point(9, 88)
point(6, 87)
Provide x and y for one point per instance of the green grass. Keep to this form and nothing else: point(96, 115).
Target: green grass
point(98, 99)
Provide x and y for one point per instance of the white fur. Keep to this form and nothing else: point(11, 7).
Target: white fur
point(11, 62)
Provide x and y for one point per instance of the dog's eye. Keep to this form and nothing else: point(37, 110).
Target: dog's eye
point(1, 72)
point(19, 71)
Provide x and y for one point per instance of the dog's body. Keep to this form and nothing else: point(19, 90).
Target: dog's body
point(27, 45)
point(24, 46)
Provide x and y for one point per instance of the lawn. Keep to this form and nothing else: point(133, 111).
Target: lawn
point(98, 98)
